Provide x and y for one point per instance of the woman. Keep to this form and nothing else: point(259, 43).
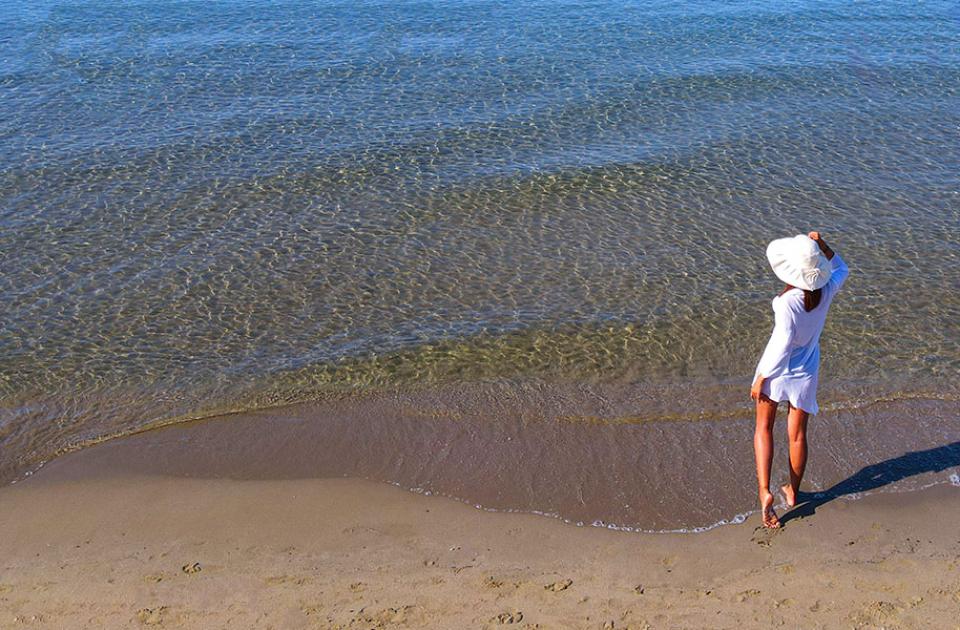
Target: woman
point(789, 365)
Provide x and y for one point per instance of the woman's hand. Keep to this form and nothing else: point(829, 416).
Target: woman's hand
point(822, 244)
point(755, 391)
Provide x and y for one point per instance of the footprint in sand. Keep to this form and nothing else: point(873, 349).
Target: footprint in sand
point(668, 562)
point(556, 587)
point(390, 616)
point(23, 619)
point(509, 617)
point(311, 609)
point(878, 613)
point(763, 536)
point(151, 616)
point(277, 580)
point(490, 582)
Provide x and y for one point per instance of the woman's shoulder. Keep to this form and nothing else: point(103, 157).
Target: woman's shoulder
point(790, 300)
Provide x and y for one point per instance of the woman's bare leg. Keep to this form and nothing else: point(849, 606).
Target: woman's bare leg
point(797, 434)
point(763, 450)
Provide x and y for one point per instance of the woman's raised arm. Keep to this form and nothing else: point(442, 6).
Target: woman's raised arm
point(822, 244)
point(840, 269)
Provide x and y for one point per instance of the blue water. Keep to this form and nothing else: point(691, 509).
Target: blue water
point(212, 206)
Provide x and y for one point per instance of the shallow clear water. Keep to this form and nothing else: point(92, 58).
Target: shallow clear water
point(210, 207)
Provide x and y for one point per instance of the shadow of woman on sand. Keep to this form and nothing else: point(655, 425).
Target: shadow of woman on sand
point(877, 475)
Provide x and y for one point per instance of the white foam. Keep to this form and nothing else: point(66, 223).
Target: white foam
point(737, 519)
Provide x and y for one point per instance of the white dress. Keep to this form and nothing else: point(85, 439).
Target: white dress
point(791, 361)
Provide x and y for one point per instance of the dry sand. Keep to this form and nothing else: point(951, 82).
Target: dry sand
point(81, 548)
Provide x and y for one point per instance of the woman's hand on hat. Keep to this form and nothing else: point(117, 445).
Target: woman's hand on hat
point(822, 244)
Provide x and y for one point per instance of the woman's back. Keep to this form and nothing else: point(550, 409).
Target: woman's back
point(807, 325)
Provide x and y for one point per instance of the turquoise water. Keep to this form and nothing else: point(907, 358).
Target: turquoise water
point(222, 206)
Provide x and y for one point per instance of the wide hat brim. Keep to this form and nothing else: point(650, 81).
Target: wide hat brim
point(798, 261)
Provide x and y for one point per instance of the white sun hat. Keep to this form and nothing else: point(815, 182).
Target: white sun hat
point(798, 261)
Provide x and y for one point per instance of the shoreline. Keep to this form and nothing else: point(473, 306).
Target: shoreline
point(512, 448)
point(87, 545)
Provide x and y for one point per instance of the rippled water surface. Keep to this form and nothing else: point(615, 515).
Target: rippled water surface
point(223, 206)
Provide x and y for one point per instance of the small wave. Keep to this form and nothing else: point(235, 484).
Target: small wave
point(737, 519)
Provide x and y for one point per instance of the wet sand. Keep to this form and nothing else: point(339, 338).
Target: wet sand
point(84, 547)
point(564, 450)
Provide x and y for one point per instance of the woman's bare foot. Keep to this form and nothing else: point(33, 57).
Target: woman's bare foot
point(789, 494)
point(768, 516)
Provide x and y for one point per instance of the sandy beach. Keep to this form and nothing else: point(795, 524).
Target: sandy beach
point(85, 547)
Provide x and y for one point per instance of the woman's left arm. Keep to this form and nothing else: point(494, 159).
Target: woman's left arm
point(776, 356)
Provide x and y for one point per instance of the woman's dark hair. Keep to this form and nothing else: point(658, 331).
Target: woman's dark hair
point(811, 299)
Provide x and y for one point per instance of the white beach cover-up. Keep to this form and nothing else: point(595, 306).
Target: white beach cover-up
point(791, 361)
